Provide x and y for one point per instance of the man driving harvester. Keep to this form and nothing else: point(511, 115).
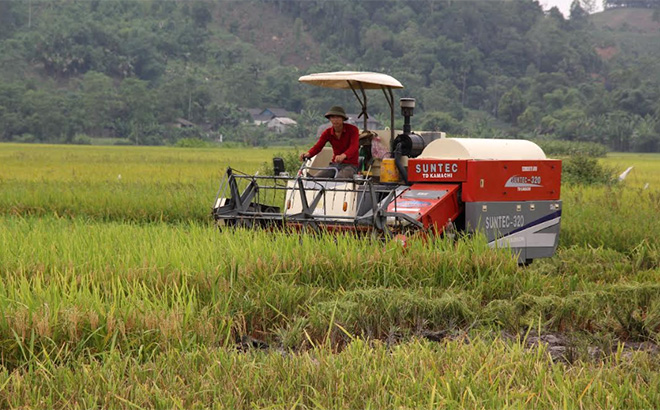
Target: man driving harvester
point(344, 139)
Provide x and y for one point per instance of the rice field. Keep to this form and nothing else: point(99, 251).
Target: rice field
point(117, 291)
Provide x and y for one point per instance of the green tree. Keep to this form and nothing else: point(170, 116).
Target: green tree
point(8, 18)
point(442, 96)
point(99, 100)
point(137, 109)
point(590, 6)
point(617, 129)
point(440, 121)
point(638, 101)
point(548, 43)
point(307, 123)
point(530, 119)
point(497, 87)
point(44, 117)
point(225, 115)
point(578, 13)
point(242, 88)
point(511, 105)
point(248, 134)
point(646, 137)
point(202, 13)
point(11, 120)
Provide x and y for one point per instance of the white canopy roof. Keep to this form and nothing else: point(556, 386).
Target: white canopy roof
point(341, 80)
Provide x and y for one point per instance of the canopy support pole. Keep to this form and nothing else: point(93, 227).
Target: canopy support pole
point(362, 101)
point(390, 100)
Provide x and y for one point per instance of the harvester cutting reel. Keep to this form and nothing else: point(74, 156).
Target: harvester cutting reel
point(310, 203)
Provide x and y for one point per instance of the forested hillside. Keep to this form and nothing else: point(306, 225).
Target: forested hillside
point(74, 70)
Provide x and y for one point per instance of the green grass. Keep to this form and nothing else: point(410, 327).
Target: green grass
point(117, 183)
point(122, 294)
point(645, 169)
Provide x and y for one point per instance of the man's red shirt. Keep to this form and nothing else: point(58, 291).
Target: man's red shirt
point(347, 143)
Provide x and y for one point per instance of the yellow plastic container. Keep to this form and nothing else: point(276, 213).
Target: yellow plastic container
point(388, 171)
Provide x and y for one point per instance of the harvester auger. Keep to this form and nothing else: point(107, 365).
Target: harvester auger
point(506, 189)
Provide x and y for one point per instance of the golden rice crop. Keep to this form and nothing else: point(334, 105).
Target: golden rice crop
point(118, 292)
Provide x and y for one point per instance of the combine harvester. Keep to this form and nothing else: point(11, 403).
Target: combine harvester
point(506, 189)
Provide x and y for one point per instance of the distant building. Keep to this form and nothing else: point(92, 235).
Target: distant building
point(276, 119)
point(256, 117)
point(263, 115)
point(277, 112)
point(280, 124)
point(183, 123)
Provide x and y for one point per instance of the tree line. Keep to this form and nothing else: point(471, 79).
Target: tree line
point(124, 69)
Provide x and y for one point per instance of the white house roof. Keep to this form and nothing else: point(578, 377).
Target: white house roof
point(284, 120)
point(342, 79)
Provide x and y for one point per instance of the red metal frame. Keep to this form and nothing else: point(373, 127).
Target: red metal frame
point(437, 170)
point(433, 213)
point(515, 180)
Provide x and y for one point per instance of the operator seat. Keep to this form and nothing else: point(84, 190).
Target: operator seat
point(321, 160)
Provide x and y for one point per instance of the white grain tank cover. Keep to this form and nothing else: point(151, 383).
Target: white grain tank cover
point(481, 148)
